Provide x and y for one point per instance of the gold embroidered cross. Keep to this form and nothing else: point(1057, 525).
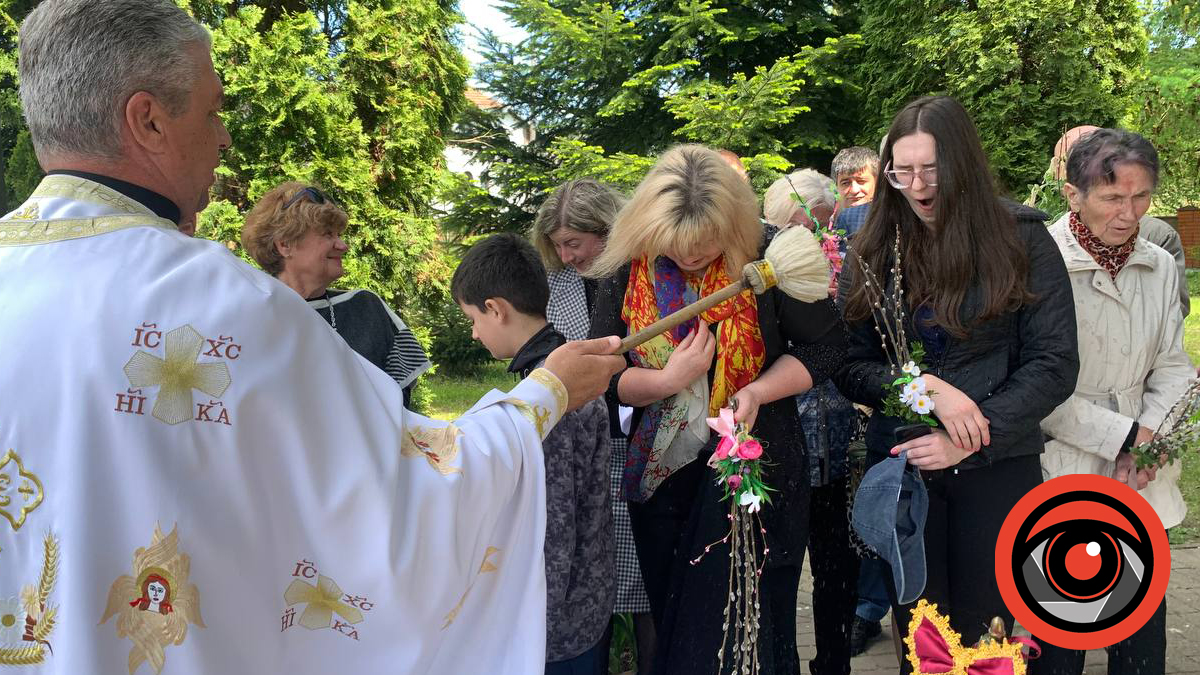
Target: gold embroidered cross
point(320, 601)
point(177, 375)
point(28, 490)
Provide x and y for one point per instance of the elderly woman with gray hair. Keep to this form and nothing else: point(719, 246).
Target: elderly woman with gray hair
point(781, 203)
point(1132, 366)
point(828, 420)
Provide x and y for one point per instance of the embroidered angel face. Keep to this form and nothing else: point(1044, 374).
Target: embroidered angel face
point(164, 603)
point(156, 595)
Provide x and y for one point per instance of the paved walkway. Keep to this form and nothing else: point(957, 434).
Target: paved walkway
point(1183, 626)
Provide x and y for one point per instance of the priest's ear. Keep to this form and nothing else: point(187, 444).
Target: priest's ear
point(146, 118)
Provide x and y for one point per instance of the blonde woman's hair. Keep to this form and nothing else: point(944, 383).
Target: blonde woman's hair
point(779, 203)
point(690, 199)
point(584, 204)
point(268, 223)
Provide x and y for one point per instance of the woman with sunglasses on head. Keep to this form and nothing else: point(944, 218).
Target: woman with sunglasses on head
point(295, 234)
point(986, 292)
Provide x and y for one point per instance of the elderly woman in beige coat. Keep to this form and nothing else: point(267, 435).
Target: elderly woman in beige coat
point(1132, 363)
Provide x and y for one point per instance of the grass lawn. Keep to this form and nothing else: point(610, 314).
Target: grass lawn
point(1189, 484)
point(455, 394)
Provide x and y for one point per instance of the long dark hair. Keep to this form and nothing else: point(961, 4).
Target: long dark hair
point(975, 236)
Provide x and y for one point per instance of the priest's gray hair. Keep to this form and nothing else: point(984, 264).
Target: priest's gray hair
point(81, 61)
point(779, 203)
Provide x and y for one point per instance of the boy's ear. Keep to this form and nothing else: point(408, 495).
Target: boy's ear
point(498, 307)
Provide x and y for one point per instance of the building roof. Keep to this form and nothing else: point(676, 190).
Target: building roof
point(481, 100)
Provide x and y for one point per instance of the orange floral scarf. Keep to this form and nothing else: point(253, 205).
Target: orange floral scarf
point(740, 349)
point(741, 353)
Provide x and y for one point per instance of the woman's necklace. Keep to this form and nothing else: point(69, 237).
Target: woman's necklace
point(332, 316)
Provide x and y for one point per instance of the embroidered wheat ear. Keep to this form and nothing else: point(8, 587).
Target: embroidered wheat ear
point(49, 569)
point(25, 656)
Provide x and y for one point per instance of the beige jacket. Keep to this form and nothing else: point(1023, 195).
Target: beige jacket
point(1132, 365)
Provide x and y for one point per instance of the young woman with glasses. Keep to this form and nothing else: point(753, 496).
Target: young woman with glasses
point(987, 294)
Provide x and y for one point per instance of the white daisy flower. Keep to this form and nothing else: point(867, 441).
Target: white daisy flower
point(12, 621)
point(751, 500)
point(916, 386)
point(911, 368)
point(906, 396)
point(923, 405)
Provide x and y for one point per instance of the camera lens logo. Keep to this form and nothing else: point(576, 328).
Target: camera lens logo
point(1082, 561)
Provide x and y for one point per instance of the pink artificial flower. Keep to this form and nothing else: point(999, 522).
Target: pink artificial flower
point(723, 423)
point(725, 447)
point(751, 449)
point(735, 482)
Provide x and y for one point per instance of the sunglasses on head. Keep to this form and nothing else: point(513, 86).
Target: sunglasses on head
point(314, 195)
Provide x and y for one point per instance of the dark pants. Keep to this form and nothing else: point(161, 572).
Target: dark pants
point(688, 601)
point(592, 662)
point(657, 525)
point(1143, 653)
point(966, 510)
point(834, 567)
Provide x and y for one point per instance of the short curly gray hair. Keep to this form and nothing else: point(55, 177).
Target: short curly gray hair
point(81, 61)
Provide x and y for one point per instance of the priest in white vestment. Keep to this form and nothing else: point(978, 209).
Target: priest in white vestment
point(197, 475)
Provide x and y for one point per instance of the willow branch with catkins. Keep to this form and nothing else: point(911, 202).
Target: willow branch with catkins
point(887, 302)
point(1178, 432)
point(907, 396)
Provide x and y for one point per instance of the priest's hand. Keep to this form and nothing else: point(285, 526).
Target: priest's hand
point(585, 367)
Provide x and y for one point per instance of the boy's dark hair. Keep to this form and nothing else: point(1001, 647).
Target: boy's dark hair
point(502, 266)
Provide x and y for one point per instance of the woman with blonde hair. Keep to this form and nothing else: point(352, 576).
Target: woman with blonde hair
point(688, 230)
point(295, 234)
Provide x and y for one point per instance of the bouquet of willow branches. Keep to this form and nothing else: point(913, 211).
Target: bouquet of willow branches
point(738, 462)
point(1179, 431)
point(907, 396)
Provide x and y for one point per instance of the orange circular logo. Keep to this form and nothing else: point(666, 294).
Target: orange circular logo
point(1082, 561)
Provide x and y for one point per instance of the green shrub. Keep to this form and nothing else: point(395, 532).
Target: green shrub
point(451, 346)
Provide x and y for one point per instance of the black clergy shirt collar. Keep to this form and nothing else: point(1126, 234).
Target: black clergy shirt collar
point(160, 205)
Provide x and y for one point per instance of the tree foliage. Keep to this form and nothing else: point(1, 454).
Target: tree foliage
point(609, 83)
point(334, 94)
point(1168, 101)
point(1026, 70)
point(355, 95)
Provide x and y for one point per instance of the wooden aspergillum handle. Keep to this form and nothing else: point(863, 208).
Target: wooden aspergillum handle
point(693, 310)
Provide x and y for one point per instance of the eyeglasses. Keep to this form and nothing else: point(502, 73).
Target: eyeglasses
point(902, 180)
point(314, 195)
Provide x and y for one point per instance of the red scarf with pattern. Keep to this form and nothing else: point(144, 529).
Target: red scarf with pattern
point(1111, 258)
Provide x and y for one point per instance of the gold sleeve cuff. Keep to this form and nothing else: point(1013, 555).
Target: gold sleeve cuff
point(550, 381)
